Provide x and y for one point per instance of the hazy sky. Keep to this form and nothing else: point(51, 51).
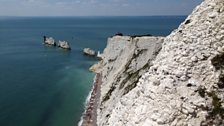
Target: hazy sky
point(96, 7)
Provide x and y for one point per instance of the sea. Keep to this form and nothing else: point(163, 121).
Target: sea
point(47, 86)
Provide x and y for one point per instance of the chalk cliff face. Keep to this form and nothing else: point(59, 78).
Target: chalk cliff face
point(125, 60)
point(182, 85)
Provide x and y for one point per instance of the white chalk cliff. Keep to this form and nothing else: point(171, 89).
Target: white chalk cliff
point(173, 81)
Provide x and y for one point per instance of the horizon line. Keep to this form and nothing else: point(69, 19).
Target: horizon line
point(96, 16)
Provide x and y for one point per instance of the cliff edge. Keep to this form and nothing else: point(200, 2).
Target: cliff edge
point(173, 81)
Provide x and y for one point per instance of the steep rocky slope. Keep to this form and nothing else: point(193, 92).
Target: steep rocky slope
point(182, 85)
point(124, 61)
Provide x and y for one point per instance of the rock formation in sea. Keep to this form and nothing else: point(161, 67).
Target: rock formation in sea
point(49, 41)
point(89, 52)
point(64, 45)
point(173, 81)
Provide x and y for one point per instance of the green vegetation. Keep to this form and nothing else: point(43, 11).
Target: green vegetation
point(107, 96)
point(130, 74)
point(218, 61)
point(201, 92)
point(134, 36)
point(217, 105)
point(217, 110)
point(136, 76)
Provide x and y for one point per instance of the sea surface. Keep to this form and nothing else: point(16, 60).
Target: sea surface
point(47, 86)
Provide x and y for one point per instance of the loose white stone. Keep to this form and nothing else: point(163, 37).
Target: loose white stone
point(194, 59)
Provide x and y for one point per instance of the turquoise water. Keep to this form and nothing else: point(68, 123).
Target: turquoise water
point(47, 86)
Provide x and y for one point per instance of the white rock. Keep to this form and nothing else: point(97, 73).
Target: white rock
point(64, 45)
point(50, 41)
point(88, 51)
point(194, 59)
point(164, 86)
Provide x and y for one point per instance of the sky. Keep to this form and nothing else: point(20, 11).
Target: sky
point(96, 7)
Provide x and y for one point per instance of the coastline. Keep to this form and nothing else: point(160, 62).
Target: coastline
point(63, 76)
point(89, 117)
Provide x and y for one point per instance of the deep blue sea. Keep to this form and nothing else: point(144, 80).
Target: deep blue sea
point(47, 86)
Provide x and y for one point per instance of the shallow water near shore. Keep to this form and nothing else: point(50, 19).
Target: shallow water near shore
point(47, 86)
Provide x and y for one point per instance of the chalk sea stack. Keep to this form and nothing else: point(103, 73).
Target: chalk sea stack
point(89, 52)
point(49, 41)
point(64, 45)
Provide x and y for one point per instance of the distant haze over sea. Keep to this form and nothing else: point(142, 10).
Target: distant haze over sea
point(96, 7)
